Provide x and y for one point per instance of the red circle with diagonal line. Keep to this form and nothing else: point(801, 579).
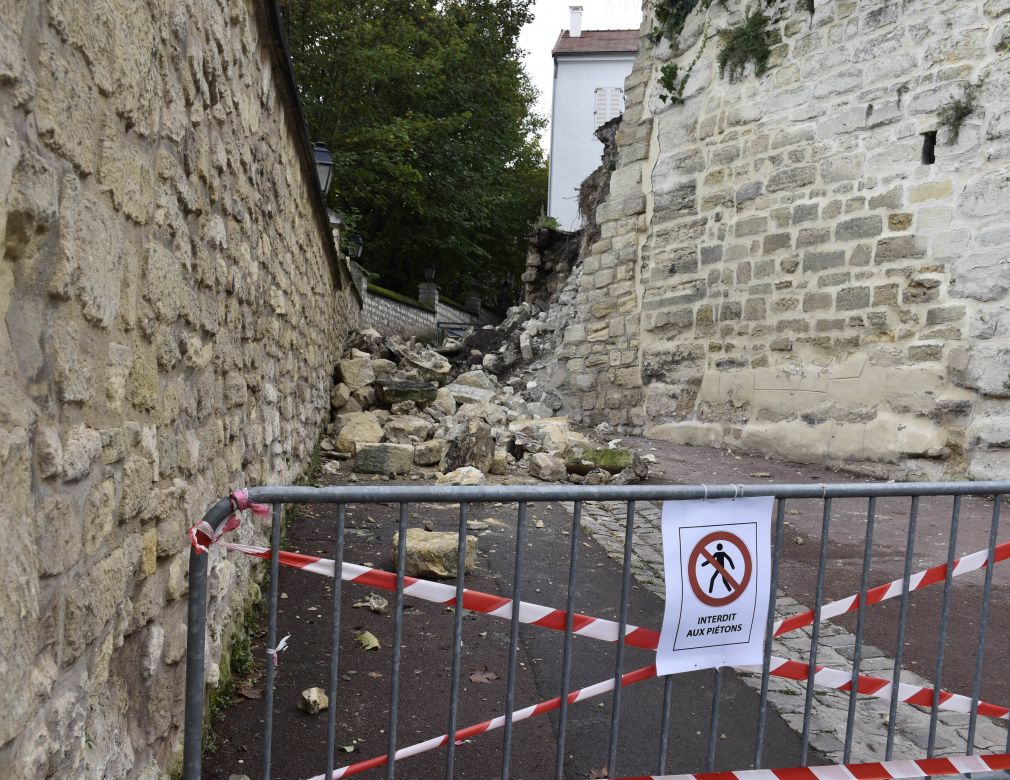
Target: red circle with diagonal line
point(737, 586)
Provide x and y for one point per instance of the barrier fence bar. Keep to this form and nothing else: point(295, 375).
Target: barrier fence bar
point(465, 497)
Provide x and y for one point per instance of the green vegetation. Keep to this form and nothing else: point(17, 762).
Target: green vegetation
point(430, 118)
point(671, 16)
point(952, 114)
point(673, 81)
point(745, 43)
point(395, 296)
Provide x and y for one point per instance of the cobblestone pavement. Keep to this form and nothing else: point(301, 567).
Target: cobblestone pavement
point(606, 522)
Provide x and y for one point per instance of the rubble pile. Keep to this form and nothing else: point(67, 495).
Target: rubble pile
point(401, 409)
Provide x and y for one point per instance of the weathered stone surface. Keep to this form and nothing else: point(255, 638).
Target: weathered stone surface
point(404, 428)
point(356, 373)
point(444, 400)
point(431, 365)
point(476, 378)
point(547, 467)
point(471, 445)
point(430, 453)
point(466, 394)
point(466, 475)
point(355, 428)
point(313, 700)
point(340, 395)
point(81, 449)
point(434, 553)
point(383, 458)
point(392, 391)
point(582, 460)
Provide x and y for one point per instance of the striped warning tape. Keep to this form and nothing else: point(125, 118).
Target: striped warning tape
point(645, 673)
point(607, 630)
point(882, 770)
point(921, 579)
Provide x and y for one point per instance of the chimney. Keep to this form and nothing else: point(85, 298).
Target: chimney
point(575, 30)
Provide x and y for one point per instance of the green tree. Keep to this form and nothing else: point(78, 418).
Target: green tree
point(429, 116)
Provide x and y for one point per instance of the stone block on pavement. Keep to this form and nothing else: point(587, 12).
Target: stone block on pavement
point(547, 467)
point(433, 553)
point(383, 458)
point(357, 427)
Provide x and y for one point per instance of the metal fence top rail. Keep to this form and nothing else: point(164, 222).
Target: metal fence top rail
point(408, 494)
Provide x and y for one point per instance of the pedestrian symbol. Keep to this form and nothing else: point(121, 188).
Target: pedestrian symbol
point(717, 564)
point(730, 563)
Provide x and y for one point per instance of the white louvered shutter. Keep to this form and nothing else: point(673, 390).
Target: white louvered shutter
point(609, 103)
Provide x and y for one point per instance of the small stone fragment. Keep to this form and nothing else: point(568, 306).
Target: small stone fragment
point(313, 700)
point(433, 553)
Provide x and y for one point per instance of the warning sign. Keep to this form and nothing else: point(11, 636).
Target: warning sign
point(717, 561)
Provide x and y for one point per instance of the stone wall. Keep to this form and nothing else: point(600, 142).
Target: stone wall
point(395, 317)
point(778, 269)
point(171, 314)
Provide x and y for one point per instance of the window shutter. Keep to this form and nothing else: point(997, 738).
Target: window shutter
point(609, 103)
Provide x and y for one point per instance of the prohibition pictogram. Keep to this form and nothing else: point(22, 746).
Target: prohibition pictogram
point(731, 568)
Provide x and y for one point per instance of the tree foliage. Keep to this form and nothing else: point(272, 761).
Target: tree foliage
point(429, 116)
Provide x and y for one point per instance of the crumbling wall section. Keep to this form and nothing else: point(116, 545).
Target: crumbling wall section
point(779, 270)
point(171, 315)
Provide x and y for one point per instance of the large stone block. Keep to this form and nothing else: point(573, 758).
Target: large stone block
point(434, 553)
point(357, 427)
point(383, 458)
point(356, 373)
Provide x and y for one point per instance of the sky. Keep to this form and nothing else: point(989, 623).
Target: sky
point(551, 16)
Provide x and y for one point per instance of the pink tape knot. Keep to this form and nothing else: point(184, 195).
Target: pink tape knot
point(240, 499)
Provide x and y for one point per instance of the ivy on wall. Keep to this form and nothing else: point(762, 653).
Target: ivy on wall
point(744, 43)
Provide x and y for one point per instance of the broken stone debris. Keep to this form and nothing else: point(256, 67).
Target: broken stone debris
point(313, 700)
point(433, 553)
point(404, 409)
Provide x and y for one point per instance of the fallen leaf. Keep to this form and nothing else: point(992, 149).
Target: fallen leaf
point(367, 640)
point(374, 674)
point(349, 748)
point(251, 693)
point(597, 774)
point(483, 677)
point(375, 603)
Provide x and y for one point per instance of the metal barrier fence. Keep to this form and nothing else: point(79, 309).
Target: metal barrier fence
point(523, 497)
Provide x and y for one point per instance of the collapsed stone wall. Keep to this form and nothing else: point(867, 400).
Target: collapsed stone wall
point(779, 270)
point(172, 313)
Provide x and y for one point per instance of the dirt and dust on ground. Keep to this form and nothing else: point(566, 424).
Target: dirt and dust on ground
point(364, 694)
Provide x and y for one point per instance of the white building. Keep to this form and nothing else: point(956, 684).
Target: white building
point(590, 67)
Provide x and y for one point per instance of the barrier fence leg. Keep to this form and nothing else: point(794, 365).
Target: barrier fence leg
point(196, 629)
point(457, 640)
point(815, 632)
point(759, 739)
point(401, 563)
point(271, 660)
point(976, 687)
point(331, 715)
point(899, 653)
point(566, 660)
point(615, 715)
point(857, 655)
point(510, 684)
point(944, 613)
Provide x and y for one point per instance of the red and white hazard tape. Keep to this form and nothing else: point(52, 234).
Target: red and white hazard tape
point(921, 579)
point(607, 630)
point(883, 770)
point(550, 705)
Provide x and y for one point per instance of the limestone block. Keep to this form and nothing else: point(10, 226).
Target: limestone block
point(499, 463)
point(357, 427)
point(356, 373)
point(471, 445)
point(467, 475)
point(163, 281)
point(93, 602)
point(68, 109)
point(430, 453)
point(340, 395)
point(99, 515)
point(313, 700)
point(391, 391)
point(547, 467)
point(465, 394)
point(983, 367)
point(434, 553)
point(49, 452)
point(384, 458)
point(404, 426)
point(476, 378)
point(137, 500)
point(81, 448)
point(59, 535)
point(986, 195)
point(982, 276)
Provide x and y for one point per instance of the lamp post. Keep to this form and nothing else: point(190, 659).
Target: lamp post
point(324, 165)
point(355, 247)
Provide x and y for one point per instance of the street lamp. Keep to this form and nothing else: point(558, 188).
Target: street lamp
point(324, 165)
point(429, 274)
point(355, 246)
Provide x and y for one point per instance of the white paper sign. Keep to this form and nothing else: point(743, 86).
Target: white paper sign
point(717, 562)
